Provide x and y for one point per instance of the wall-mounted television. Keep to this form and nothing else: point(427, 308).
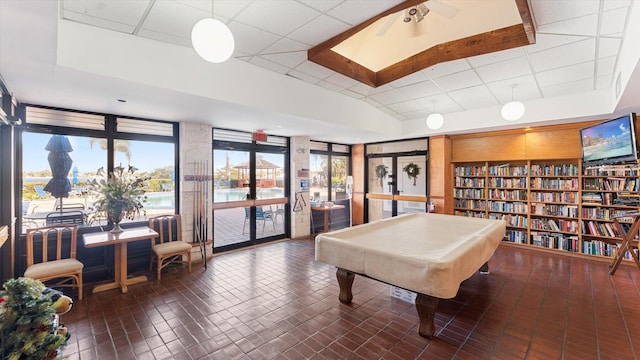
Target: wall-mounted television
point(610, 142)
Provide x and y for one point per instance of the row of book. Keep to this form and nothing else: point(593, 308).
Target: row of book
point(555, 241)
point(516, 236)
point(470, 204)
point(515, 207)
point(555, 184)
point(469, 182)
point(554, 170)
point(597, 247)
point(554, 210)
point(611, 171)
point(611, 184)
point(598, 198)
point(562, 197)
point(513, 220)
point(470, 170)
point(469, 193)
point(502, 194)
point(513, 183)
point(475, 214)
point(602, 213)
point(555, 225)
point(507, 170)
point(597, 228)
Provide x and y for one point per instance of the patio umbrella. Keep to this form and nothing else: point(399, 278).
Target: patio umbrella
point(60, 162)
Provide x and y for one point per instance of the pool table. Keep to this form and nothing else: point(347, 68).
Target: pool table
point(429, 254)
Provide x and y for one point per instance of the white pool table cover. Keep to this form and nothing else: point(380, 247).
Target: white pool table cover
point(425, 253)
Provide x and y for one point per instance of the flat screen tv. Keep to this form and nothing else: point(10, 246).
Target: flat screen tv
point(610, 142)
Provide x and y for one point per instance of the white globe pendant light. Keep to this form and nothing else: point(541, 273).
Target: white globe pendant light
point(434, 120)
point(513, 110)
point(212, 40)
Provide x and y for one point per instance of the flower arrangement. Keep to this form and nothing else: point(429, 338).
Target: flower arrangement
point(120, 194)
point(412, 170)
point(381, 172)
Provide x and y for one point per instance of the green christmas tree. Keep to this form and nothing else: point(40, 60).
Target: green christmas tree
point(27, 326)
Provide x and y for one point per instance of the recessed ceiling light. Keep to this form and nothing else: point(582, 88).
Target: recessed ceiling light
point(121, 100)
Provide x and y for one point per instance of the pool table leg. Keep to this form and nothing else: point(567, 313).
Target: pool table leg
point(426, 306)
point(484, 269)
point(345, 281)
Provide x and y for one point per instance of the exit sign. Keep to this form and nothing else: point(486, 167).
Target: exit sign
point(259, 136)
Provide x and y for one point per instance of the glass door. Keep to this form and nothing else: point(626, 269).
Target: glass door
point(249, 197)
point(397, 185)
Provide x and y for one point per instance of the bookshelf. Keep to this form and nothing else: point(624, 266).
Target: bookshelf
point(551, 204)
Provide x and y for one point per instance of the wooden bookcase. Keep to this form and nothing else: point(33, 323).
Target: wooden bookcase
point(551, 204)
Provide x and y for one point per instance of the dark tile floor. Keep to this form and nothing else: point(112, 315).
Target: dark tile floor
point(275, 301)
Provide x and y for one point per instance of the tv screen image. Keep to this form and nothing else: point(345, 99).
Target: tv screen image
point(610, 142)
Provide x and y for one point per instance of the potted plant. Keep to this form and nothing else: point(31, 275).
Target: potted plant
point(120, 194)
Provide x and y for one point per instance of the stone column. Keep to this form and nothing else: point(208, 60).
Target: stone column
point(301, 212)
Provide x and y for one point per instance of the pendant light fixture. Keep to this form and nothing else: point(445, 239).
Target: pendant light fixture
point(212, 39)
point(513, 110)
point(434, 120)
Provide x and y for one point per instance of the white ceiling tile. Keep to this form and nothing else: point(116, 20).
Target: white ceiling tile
point(330, 86)
point(416, 77)
point(387, 110)
point(250, 40)
point(222, 8)
point(461, 80)
point(389, 97)
point(567, 74)
point(612, 22)
point(614, 4)
point(608, 47)
point(504, 70)
point(291, 15)
point(98, 12)
point(573, 53)
point(439, 103)
point(522, 88)
point(419, 90)
point(603, 82)
point(352, 94)
point(269, 65)
point(341, 80)
point(418, 114)
point(606, 66)
point(290, 60)
point(405, 106)
point(550, 41)
point(354, 12)
point(474, 98)
point(168, 38)
point(172, 18)
point(446, 68)
point(495, 57)
point(321, 5)
point(554, 11)
point(303, 76)
point(314, 69)
point(285, 45)
point(585, 25)
point(361, 88)
point(102, 23)
point(568, 88)
point(318, 30)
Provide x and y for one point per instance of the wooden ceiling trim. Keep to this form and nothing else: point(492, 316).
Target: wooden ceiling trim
point(488, 42)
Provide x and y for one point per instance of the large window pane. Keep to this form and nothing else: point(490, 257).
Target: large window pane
point(319, 177)
point(156, 161)
point(84, 156)
point(230, 175)
point(339, 168)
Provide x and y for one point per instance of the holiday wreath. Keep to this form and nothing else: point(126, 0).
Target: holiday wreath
point(412, 170)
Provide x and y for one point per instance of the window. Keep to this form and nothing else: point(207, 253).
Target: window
point(65, 149)
point(328, 170)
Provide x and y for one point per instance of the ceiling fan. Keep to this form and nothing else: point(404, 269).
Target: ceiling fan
point(417, 13)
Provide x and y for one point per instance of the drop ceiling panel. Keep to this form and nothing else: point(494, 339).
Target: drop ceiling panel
point(421, 89)
point(461, 80)
point(390, 97)
point(554, 11)
point(288, 60)
point(116, 13)
point(496, 57)
point(314, 70)
point(250, 40)
point(585, 25)
point(606, 66)
point(322, 5)
point(567, 88)
point(504, 70)
point(341, 80)
point(182, 19)
point(414, 78)
point(608, 47)
point(474, 97)
point(446, 68)
point(405, 106)
point(439, 103)
point(318, 30)
point(566, 55)
point(261, 14)
point(567, 74)
point(264, 63)
point(613, 22)
point(357, 11)
point(526, 88)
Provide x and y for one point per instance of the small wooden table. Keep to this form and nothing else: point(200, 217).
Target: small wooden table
point(326, 210)
point(119, 241)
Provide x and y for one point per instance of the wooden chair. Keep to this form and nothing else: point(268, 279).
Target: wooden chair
point(51, 254)
point(168, 247)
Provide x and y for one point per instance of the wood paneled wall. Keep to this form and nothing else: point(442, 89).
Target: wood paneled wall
point(357, 169)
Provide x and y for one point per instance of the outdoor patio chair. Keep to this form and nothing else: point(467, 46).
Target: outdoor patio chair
point(40, 191)
point(279, 211)
point(261, 215)
point(51, 255)
point(168, 247)
point(65, 218)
